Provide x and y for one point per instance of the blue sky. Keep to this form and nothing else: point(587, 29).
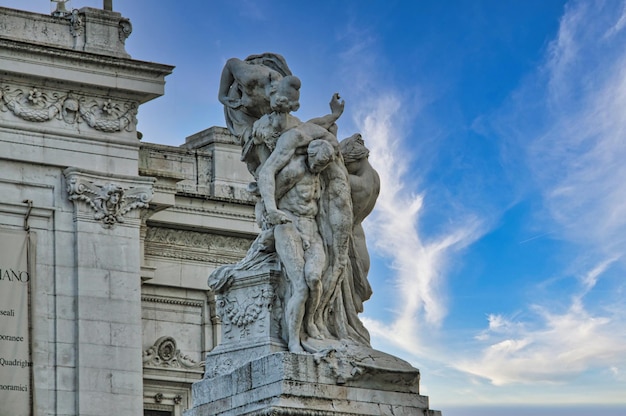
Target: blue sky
point(498, 131)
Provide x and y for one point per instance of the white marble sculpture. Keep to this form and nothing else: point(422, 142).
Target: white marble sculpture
point(310, 204)
point(292, 341)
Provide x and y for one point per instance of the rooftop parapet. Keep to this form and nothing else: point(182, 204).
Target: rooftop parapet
point(89, 30)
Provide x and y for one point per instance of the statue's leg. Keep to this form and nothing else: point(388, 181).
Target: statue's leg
point(291, 254)
point(314, 265)
point(339, 220)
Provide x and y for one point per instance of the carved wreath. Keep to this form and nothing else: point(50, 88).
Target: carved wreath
point(243, 314)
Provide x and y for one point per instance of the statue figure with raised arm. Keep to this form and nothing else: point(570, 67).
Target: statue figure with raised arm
point(291, 338)
point(308, 213)
point(259, 86)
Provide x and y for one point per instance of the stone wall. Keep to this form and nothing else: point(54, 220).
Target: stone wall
point(195, 224)
point(126, 232)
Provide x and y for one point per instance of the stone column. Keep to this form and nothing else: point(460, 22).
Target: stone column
point(108, 290)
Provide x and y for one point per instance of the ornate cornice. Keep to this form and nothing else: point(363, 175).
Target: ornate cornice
point(110, 197)
point(213, 211)
point(39, 105)
point(95, 60)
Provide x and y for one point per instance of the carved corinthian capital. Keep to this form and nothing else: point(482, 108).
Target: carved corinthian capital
point(110, 197)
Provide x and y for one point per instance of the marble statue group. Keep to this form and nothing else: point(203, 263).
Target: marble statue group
point(313, 193)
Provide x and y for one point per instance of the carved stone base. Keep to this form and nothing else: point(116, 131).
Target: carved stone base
point(285, 383)
point(252, 373)
point(250, 316)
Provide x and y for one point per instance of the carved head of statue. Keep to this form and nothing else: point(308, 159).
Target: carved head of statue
point(285, 94)
point(353, 151)
point(320, 154)
point(268, 129)
point(112, 198)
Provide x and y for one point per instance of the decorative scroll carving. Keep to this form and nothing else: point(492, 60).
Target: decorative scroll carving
point(165, 354)
point(125, 29)
point(110, 202)
point(108, 116)
point(36, 105)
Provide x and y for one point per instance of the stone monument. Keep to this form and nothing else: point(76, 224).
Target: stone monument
point(292, 341)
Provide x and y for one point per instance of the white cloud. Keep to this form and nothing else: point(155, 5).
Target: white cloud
point(570, 124)
point(419, 264)
point(590, 278)
point(577, 156)
point(551, 348)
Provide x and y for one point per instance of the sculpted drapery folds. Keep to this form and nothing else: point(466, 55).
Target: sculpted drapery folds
point(313, 194)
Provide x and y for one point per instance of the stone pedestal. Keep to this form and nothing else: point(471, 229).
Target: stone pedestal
point(250, 316)
point(284, 383)
point(252, 373)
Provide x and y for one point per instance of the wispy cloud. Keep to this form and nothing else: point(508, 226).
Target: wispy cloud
point(578, 155)
point(570, 124)
point(419, 264)
point(551, 348)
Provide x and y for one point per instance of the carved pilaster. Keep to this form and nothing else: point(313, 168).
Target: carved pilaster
point(110, 197)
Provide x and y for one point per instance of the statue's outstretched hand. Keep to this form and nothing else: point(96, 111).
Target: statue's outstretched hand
point(336, 106)
point(277, 217)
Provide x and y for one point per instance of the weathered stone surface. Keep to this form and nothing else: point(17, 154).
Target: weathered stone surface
point(69, 96)
point(298, 384)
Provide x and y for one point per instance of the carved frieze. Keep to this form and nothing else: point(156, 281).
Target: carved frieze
point(193, 245)
point(165, 354)
point(109, 200)
point(196, 239)
point(37, 104)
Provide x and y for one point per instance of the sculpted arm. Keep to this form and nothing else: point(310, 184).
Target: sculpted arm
point(279, 158)
point(336, 108)
point(226, 81)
